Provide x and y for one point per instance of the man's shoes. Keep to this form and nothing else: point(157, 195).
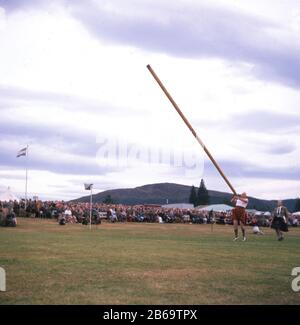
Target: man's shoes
point(236, 238)
point(281, 238)
point(244, 238)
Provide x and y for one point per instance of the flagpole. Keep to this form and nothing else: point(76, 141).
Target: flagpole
point(91, 203)
point(26, 180)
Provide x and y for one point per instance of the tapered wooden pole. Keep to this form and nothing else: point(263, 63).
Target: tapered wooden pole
point(191, 128)
point(26, 177)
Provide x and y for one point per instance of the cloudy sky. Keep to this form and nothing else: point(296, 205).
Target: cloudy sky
point(75, 88)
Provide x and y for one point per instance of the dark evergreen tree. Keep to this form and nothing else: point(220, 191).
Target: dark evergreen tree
point(202, 196)
point(193, 196)
point(297, 206)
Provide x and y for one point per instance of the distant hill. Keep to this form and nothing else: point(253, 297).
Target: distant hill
point(175, 193)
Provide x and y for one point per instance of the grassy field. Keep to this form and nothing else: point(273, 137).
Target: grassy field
point(145, 264)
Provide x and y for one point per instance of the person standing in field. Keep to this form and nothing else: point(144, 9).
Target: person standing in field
point(280, 218)
point(239, 214)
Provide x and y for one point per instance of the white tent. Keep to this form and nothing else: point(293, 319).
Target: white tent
point(259, 213)
point(217, 208)
point(267, 214)
point(252, 211)
point(178, 206)
point(7, 196)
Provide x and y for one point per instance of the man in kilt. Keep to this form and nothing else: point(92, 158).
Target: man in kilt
point(280, 219)
point(239, 215)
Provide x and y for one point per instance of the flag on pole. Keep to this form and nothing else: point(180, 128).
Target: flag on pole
point(88, 186)
point(22, 152)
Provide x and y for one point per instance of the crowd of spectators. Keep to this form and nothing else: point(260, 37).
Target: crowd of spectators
point(72, 212)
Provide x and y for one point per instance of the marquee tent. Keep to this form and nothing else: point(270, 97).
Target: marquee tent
point(217, 208)
point(178, 206)
point(8, 195)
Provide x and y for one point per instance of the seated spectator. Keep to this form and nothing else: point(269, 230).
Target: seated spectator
point(186, 218)
point(68, 212)
point(62, 220)
point(113, 216)
point(9, 220)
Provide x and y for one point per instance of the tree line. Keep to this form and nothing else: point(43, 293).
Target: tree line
point(199, 196)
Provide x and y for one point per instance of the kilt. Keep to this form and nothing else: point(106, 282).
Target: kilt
point(239, 214)
point(278, 223)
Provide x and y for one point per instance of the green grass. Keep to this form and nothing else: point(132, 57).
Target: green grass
point(145, 264)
